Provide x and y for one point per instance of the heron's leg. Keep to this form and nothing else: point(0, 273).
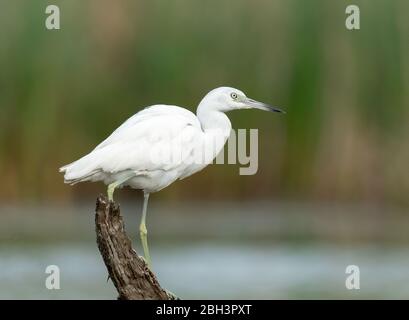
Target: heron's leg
point(113, 186)
point(143, 231)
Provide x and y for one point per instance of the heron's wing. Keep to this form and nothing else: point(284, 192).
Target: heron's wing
point(146, 142)
point(149, 114)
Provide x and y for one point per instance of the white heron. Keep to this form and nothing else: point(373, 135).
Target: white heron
point(129, 156)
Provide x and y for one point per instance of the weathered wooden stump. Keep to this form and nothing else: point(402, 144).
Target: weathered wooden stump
point(128, 271)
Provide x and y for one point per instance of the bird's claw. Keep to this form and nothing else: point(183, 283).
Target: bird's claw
point(144, 260)
point(171, 295)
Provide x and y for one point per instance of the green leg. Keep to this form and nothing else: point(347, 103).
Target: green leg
point(113, 186)
point(144, 232)
point(111, 189)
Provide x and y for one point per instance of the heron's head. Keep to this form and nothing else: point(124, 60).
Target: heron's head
point(228, 99)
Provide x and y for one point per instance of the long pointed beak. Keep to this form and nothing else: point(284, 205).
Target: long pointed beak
point(262, 106)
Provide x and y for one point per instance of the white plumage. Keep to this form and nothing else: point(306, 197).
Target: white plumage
point(127, 151)
point(161, 144)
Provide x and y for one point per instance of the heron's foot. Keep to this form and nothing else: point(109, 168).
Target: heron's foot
point(148, 263)
point(142, 258)
point(171, 295)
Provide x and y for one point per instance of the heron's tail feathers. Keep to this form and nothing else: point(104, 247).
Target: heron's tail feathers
point(81, 170)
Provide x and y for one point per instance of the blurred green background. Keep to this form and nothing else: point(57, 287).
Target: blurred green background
point(332, 171)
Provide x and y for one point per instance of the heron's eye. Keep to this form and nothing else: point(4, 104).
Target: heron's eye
point(233, 95)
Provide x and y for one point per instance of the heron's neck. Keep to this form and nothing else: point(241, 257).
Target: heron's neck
point(216, 127)
point(212, 119)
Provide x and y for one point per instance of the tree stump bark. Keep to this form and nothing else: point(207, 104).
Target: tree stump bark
point(128, 271)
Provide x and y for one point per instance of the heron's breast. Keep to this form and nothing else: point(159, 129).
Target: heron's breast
point(153, 181)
